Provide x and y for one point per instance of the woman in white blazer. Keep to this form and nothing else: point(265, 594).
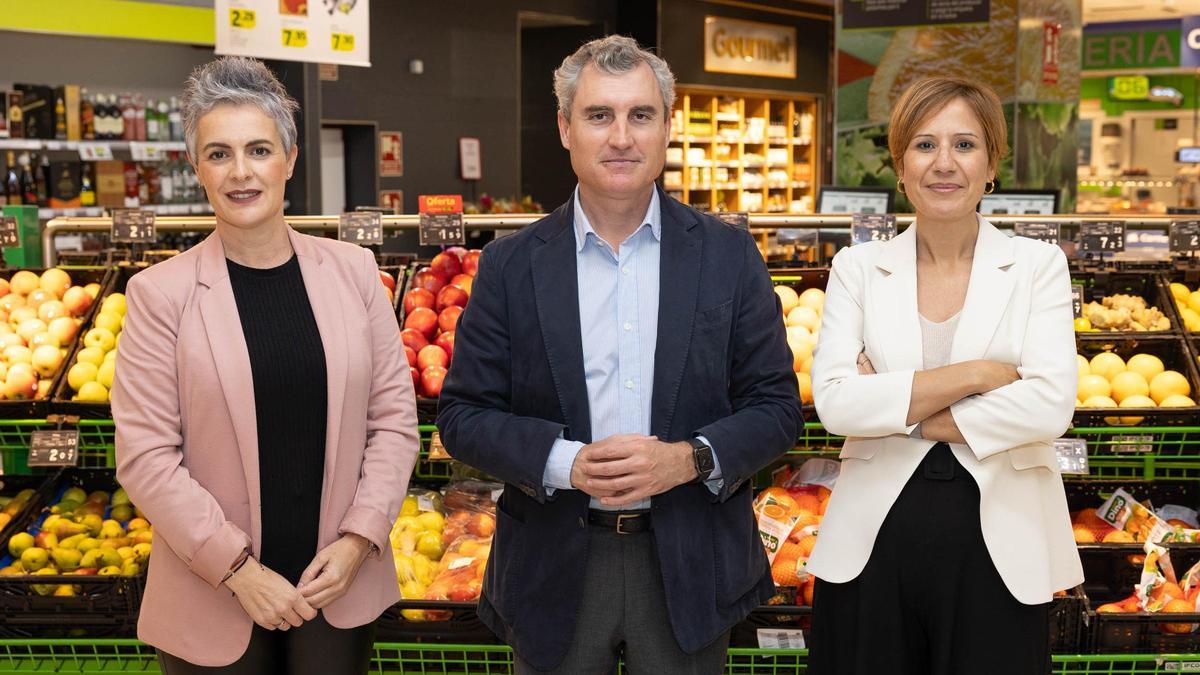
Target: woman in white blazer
point(947, 358)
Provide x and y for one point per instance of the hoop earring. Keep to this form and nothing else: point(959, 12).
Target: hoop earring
point(900, 186)
point(989, 187)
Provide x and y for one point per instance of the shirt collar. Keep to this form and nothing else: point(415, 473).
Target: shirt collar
point(583, 227)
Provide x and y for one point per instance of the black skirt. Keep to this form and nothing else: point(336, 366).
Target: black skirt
point(929, 601)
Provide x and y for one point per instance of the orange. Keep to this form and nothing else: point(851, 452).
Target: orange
point(823, 492)
point(787, 298)
point(1146, 365)
point(1127, 384)
point(1178, 607)
point(1177, 401)
point(805, 520)
point(1083, 535)
point(778, 496)
point(1118, 537)
point(790, 550)
point(1107, 364)
point(807, 544)
point(1093, 385)
point(1089, 518)
point(1110, 608)
point(1169, 383)
point(808, 503)
point(801, 352)
point(783, 571)
point(1168, 591)
point(807, 592)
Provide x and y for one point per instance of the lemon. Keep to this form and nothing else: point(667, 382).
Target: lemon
point(1191, 318)
point(1129, 385)
point(1107, 364)
point(1092, 386)
point(1083, 325)
point(1177, 401)
point(1146, 365)
point(1193, 301)
point(1085, 368)
point(1131, 402)
point(1099, 402)
point(1180, 292)
point(1168, 383)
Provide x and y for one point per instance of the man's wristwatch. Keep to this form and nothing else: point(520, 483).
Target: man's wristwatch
point(702, 455)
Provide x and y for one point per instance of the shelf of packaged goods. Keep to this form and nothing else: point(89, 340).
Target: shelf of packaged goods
point(127, 655)
point(159, 209)
point(53, 144)
point(1129, 181)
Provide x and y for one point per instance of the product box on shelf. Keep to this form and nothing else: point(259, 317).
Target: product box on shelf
point(95, 547)
point(84, 389)
point(37, 107)
point(110, 184)
point(64, 185)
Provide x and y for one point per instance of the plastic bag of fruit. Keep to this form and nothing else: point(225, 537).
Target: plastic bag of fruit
point(471, 510)
point(460, 574)
point(1124, 513)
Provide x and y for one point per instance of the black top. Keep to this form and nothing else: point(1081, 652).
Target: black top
point(287, 361)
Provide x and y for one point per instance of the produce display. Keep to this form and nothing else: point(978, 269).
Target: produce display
point(91, 375)
point(1109, 381)
point(802, 317)
point(11, 506)
point(83, 534)
point(432, 305)
point(789, 516)
point(1124, 520)
point(1161, 591)
point(1187, 300)
point(39, 318)
point(1121, 312)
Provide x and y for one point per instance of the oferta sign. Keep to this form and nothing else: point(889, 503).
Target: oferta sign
point(1152, 47)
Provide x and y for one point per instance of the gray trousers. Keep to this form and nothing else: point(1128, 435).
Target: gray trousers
point(623, 614)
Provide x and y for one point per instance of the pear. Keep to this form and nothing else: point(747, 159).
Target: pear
point(65, 507)
point(92, 558)
point(87, 544)
point(90, 508)
point(111, 530)
point(75, 494)
point(126, 553)
point(141, 553)
point(66, 559)
point(19, 542)
point(46, 540)
point(110, 571)
point(73, 541)
point(111, 558)
point(65, 528)
point(130, 569)
point(124, 512)
point(34, 559)
point(44, 589)
point(120, 497)
point(139, 524)
point(50, 522)
point(65, 591)
point(99, 497)
point(144, 537)
point(11, 571)
point(93, 523)
point(116, 543)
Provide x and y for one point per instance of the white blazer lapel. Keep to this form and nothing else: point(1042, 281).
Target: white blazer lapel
point(988, 294)
point(897, 333)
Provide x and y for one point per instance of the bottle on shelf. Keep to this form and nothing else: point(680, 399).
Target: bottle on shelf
point(151, 115)
point(117, 114)
point(12, 181)
point(60, 119)
point(44, 181)
point(131, 185)
point(175, 120)
point(166, 179)
point(28, 184)
point(164, 121)
point(87, 188)
point(128, 118)
point(87, 116)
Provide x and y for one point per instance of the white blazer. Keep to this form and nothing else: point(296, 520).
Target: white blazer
point(1018, 311)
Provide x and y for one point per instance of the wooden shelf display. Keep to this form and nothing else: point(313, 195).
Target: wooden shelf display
point(743, 152)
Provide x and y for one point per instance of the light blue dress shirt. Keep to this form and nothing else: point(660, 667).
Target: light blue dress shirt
point(618, 318)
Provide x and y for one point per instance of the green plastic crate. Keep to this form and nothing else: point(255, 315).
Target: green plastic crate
point(97, 446)
point(430, 469)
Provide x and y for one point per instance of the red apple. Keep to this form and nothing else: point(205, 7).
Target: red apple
point(448, 318)
point(411, 354)
point(422, 319)
point(451, 295)
point(470, 263)
point(418, 297)
point(429, 279)
point(446, 264)
point(463, 281)
point(446, 342)
point(431, 381)
point(388, 280)
point(430, 356)
point(416, 376)
point(414, 339)
point(458, 251)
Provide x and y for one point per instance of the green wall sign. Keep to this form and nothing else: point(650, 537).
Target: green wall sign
point(1129, 88)
point(1134, 49)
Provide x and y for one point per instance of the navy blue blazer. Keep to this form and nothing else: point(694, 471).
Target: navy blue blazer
point(722, 369)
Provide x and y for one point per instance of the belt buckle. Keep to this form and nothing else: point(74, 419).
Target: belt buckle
point(621, 520)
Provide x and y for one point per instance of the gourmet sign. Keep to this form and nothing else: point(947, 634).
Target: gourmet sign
point(749, 47)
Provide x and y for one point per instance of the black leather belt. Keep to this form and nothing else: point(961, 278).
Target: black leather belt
point(623, 522)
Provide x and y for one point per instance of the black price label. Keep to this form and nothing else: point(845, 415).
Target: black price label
point(9, 236)
point(1185, 236)
point(1050, 233)
point(133, 226)
point(364, 228)
point(866, 227)
point(1077, 299)
point(442, 229)
point(54, 448)
point(738, 219)
point(1072, 455)
point(1102, 237)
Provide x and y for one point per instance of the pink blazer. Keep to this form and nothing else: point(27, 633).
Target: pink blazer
point(187, 443)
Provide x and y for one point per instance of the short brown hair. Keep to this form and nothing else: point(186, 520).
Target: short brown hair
point(926, 97)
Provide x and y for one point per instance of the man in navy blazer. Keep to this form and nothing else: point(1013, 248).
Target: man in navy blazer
point(623, 368)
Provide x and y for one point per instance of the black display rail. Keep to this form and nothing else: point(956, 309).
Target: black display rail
point(99, 606)
point(61, 400)
point(1175, 353)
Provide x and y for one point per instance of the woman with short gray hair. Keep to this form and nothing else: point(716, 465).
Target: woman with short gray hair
point(266, 421)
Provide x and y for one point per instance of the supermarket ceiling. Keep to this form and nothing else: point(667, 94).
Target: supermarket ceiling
point(1100, 11)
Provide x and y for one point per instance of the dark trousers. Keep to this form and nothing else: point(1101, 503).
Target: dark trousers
point(624, 615)
point(315, 648)
point(930, 601)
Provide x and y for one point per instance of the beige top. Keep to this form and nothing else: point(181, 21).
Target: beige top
point(936, 339)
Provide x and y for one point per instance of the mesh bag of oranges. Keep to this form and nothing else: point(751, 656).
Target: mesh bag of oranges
point(1159, 591)
point(789, 516)
point(1122, 519)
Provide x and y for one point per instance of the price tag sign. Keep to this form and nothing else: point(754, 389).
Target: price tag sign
point(780, 638)
point(132, 226)
point(441, 220)
point(1185, 236)
point(9, 236)
point(1077, 299)
point(1072, 455)
point(295, 37)
point(436, 449)
point(148, 152)
point(54, 448)
point(364, 228)
point(342, 42)
point(738, 219)
point(95, 152)
point(1102, 237)
point(242, 18)
point(866, 227)
point(1050, 233)
point(1133, 444)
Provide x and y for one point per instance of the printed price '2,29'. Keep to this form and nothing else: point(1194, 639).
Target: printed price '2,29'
point(242, 18)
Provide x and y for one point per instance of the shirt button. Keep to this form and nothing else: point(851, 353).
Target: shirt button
point(625, 271)
point(628, 326)
point(629, 384)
